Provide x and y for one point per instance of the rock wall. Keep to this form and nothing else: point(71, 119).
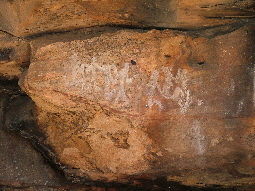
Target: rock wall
point(126, 100)
point(27, 17)
point(154, 103)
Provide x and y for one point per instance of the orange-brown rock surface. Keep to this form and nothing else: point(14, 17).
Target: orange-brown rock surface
point(14, 54)
point(131, 104)
point(30, 17)
point(150, 93)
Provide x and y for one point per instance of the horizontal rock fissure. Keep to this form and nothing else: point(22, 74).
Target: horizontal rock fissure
point(213, 30)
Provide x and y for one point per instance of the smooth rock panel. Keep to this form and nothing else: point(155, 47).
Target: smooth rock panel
point(129, 105)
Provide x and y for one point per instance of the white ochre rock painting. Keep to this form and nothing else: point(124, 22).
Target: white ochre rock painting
point(121, 87)
point(126, 71)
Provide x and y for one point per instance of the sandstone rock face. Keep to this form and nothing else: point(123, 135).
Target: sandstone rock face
point(130, 104)
point(30, 17)
point(14, 54)
point(20, 164)
point(122, 105)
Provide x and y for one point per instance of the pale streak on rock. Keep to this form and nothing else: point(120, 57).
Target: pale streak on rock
point(180, 93)
point(231, 89)
point(198, 141)
point(121, 78)
point(240, 106)
point(121, 140)
point(115, 83)
point(112, 77)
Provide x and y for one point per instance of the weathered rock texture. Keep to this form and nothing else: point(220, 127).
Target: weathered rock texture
point(20, 164)
point(29, 17)
point(14, 54)
point(129, 105)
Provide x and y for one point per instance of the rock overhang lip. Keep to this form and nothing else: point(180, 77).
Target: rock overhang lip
point(230, 14)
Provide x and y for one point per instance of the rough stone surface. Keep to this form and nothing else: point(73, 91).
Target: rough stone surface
point(14, 54)
point(30, 17)
point(20, 164)
point(130, 105)
point(119, 106)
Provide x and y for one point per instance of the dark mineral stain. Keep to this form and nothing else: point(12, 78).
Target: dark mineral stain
point(200, 63)
point(120, 139)
point(5, 54)
point(133, 62)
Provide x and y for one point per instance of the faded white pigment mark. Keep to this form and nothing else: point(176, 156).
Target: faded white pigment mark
point(198, 141)
point(199, 102)
point(231, 89)
point(181, 94)
point(113, 83)
point(240, 107)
